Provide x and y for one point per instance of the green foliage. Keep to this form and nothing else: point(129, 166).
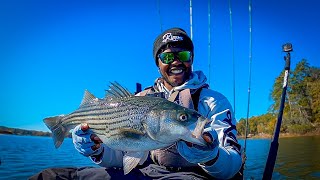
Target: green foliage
point(241, 125)
point(299, 128)
point(303, 96)
point(257, 124)
point(300, 98)
point(6, 130)
point(313, 89)
point(302, 106)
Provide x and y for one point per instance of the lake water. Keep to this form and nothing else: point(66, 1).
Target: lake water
point(23, 156)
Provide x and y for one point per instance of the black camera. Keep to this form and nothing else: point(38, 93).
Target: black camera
point(287, 47)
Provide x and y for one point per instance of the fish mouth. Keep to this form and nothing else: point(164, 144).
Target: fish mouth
point(199, 127)
point(190, 138)
point(196, 131)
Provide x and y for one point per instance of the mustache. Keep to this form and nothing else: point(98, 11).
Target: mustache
point(178, 66)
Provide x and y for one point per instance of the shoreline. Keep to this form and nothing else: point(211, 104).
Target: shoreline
point(261, 136)
point(22, 132)
point(314, 132)
point(281, 135)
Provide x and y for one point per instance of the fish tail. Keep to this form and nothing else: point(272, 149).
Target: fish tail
point(57, 129)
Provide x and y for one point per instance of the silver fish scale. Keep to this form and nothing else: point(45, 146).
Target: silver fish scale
point(120, 121)
point(112, 116)
point(128, 119)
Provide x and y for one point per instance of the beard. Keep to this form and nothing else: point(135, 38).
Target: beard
point(187, 72)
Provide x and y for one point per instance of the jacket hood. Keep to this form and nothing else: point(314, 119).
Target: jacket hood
point(197, 79)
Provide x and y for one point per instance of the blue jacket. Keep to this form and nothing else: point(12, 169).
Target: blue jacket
point(215, 107)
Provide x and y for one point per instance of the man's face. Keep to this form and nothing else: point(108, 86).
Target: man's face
point(176, 72)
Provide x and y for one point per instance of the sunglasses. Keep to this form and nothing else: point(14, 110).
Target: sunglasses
point(168, 57)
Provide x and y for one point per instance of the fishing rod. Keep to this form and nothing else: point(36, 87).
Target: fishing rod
point(272, 156)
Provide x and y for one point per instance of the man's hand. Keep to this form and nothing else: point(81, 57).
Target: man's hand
point(87, 143)
point(200, 154)
point(207, 138)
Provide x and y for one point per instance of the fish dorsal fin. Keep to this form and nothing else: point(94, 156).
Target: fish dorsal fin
point(116, 90)
point(87, 97)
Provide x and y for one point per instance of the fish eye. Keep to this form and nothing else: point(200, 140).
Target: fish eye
point(183, 117)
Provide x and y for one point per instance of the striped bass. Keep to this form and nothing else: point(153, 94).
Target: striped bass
point(134, 124)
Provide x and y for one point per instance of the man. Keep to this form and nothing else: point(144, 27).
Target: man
point(173, 53)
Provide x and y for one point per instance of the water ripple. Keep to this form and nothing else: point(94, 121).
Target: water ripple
point(24, 156)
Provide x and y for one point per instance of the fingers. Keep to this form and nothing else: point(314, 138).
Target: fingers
point(94, 138)
point(85, 141)
point(207, 137)
point(84, 127)
point(95, 147)
point(97, 142)
point(189, 144)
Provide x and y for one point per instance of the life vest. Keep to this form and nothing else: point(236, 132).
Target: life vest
point(169, 156)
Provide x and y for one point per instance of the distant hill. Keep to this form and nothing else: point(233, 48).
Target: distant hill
point(23, 132)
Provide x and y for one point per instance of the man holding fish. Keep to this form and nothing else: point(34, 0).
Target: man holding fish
point(176, 129)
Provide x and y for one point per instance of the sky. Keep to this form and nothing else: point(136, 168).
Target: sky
point(51, 51)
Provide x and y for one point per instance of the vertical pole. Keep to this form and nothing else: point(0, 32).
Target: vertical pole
point(160, 19)
point(209, 41)
point(249, 83)
point(272, 156)
point(233, 61)
point(191, 32)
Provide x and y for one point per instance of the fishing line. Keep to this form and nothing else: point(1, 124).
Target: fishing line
point(249, 83)
point(233, 61)
point(209, 41)
point(191, 32)
point(160, 19)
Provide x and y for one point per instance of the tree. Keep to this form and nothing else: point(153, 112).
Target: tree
point(299, 93)
point(241, 127)
point(313, 89)
point(276, 93)
point(302, 106)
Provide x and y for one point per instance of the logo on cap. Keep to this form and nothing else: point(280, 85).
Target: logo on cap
point(169, 37)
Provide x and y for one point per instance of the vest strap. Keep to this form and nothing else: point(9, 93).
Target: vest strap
point(173, 96)
point(185, 99)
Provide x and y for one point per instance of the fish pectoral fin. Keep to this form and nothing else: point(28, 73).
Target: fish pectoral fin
point(131, 133)
point(132, 159)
